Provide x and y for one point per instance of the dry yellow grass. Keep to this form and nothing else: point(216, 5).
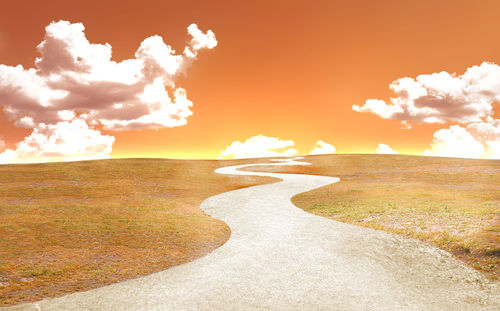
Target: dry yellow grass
point(75, 226)
point(451, 203)
point(69, 227)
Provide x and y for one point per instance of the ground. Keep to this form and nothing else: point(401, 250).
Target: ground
point(451, 203)
point(75, 226)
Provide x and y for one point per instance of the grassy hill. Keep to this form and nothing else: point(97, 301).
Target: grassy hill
point(451, 203)
point(68, 227)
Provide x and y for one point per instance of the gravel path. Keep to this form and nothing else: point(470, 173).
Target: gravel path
point(282, 258)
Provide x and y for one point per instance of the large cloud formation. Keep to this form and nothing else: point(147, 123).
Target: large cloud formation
point(441, 97)
point(259, 146)
point(75, 81)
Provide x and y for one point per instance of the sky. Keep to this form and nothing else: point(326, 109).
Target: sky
point(232, 79)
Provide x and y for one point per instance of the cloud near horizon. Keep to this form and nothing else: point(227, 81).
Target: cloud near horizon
point(441, 97)
point(76, 81)
point(49, 142)
point(384, 149)
point(259, 146)
point(322, 148)
point(477, 140)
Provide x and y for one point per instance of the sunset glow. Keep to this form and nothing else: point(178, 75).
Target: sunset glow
point(233, 79)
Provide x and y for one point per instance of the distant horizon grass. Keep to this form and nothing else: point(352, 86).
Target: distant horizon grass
point(75, 226)
point(451, 203)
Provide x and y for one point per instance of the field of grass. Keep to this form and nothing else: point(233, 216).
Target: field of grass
point(451, 203)
point(68, 227)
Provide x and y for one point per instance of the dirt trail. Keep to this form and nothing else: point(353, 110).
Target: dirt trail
point(282, 258)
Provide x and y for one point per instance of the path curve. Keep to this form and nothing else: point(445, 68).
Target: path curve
point(281, 258)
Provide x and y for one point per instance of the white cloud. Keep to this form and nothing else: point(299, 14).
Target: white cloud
point(455, 141)
point(259, 146)
point(477, 140)
point(384, 149)
point(65, 140)
point(200, 40)
point(379, 107)
point(441, 97)
point(323, 148)
point(2, 145)
point(74, 75)
point(488, 133)
point(76, 80)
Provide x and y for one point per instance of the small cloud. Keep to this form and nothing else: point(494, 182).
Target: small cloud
point(322, 148)
point(259, 146)
point(441, 97)
point(200, 41)
point(384, 149)
point(379, 107)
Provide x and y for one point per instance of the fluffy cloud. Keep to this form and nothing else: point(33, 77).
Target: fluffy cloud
point(441, 97)
point(323, 148)
point(200, 41)
point(477, 140)
point(74, 75)
point(384, 149)
point(74, 79)
point(259, 146)
point(65, 140)
point(488, 133)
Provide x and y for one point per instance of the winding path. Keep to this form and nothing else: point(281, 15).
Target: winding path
point(281, 258)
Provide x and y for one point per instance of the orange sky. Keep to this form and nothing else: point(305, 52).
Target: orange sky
point(288, 69)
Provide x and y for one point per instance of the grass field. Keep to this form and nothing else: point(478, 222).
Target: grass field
point(451, 203)
point(68, 227)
